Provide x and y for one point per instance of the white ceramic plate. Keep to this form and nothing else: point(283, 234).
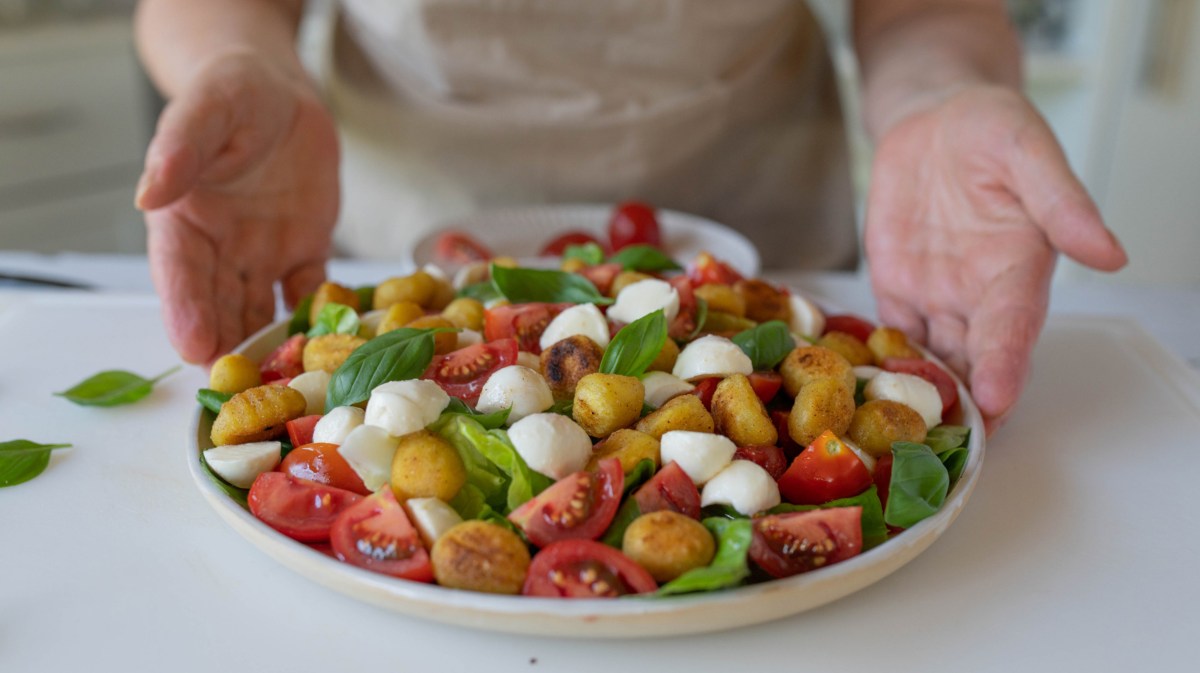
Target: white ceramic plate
point(628, 617)
point(514, 232)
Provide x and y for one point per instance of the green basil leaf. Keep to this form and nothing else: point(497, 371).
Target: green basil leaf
point(943, 438)
point(239, 495)
point(491, 421)
point(366, 298)
point(482, 292)
point(643, 257)
point(564, 408)
point(919, 484)
point(728, 568)
point(615, 535)
point(299, 322)
point(874, 530)
point(211, 399)
point(22, 460)
point(722, 511)
point(767, 344)
point(639, 475)
point(590, 253)
point(720, 321)
point(398, 355)
point(335, 318)
point(636, 346)
point(701, 317)
point(540, 285)
point(112, 388)
point(955, 461)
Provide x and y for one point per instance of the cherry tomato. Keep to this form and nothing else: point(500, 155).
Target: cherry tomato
point(706, 269)
point(578, 506)
point(850, 324)
point(788, 544)
point(286, 361)
point(585, 569)
point(768, 457)
point(323, 464)
point(602, 276)
point(766, 385)
point(376, 534)
point(684, 324)
point(300, 509)
point(458, 247)
point(558, 245)
point(883, 476)
point(633, 222)
point(300, 430)
point(524, 322)
point(790, 448)
point(670, 488)
point(826, 470)
point(463, 372)
point(931, 373)
point(705, 388)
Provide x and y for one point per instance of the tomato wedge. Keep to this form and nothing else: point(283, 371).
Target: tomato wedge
point(602, 276)
point(850, 324)
point(826, 470)
point(684, 324)
point(323, 464)
point(556, 246)
point(376, 534)
point(300, 430)
point(300, 509)
point(578, 506)
point(932, 373)
point(788, 544)
point(523, 322)
point(459, 247)
point(706, 269)
point(463, 372)
point(769, 457)
point(633, 222)
point(766, 385)
point(286, 361)
point(705, 388)
point(670, 488)
point(585, 569)
point(883, 476)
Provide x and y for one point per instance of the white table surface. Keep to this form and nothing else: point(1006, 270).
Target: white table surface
point(1078, 550)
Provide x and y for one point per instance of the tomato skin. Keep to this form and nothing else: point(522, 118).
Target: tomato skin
point(523, 322)
point(826, 470)
point(602, 276)
point(706, 269)
point(790, 448)
point(380, 524)
point(705, 388)
point(932, 373)
point(300, 430)
point(463, 372)
point(684, 324)
point(552, 515)
point(670, 488)
point(286, 361)
point(788, 544)
point(766, 385)
point(633, 222)
point(883, 476)
point(321, 463)
point(556, 246)
point(853, 325)
point(769, 457)
point(300, 509)
point(558, 571)
point(459, 247)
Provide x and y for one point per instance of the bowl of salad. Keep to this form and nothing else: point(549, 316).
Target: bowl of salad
point(618, 447)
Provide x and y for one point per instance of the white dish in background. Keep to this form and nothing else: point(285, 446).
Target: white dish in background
point(517, 231)
point(627, 617)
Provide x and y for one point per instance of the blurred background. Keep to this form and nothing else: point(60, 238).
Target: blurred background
point(1119, 80)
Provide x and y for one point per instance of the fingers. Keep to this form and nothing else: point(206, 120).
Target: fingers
point(898, 313)
point(192, 131)
point(948, 340)
point(302, 280)
point(183, 267)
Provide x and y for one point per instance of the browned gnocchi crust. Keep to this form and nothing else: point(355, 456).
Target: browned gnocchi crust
point(426, 466)
point(480, 556)
point(739, 414)
point(567, 361)
point(257, 414)
point(889, 342)
point(328, 351)
point(721, 297)
point(668, 544)
point(665, 360)
point(682, 412)
point(605, 403)
point(628, 446)
point(331, 293)
point(848, 346)
point(878, 423)
point(443, 342)
point(810, 363)
point(418, 287)
point(824, 404)
point(763, 301)
point(234, 373)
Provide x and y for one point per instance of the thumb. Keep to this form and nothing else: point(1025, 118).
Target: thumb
point(192, 131)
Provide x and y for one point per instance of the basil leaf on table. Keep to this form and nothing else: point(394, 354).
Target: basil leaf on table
point(636, 346)
point(335, 318)
point(544, 286)
point(299, 322)
point(112, 388)
point(589, 253)
point(874, 531)
point(919, 484)
point(22, 460)
point(211, 399)
point(491, 421)
point(728, 568)
point(482, 292)
point(766, 344)
point(642, 257)
point(393, 356)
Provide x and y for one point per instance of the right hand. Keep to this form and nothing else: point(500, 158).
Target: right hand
point(240, 191)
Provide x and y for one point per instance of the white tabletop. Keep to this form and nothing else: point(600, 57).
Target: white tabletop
point(1077, 551)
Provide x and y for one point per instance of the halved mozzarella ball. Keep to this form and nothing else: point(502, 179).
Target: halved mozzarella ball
point(551, 444)
point(313, 386)
point(807, 319)
point(865, 457)
point(436, 272)
point(527, 359)
point(517, 387)
point(369, 449)
point(909, 390)
point(337, 424)
point(701, 454)
point(711, 356)
point(394, 414)
point(661, 386)
point(867, 372)
point(371, 320)
point(240, 464)
point(432, 517)
point(744, 486)
point(643, 298)
point(427, 395)
point(475, 272)
point(582, 319)
point(469, 337)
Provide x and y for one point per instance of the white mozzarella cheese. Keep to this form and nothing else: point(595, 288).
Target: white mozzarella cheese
point(744, 486)
point(910, 390)
point(701, 454)
point(370, 321)
point(432, 517)
point(468, 337)
point(644, 297)
point(807, 319)
point(368, 450)
point(865, 457)
point(427, 397)
point(867, 372)
point(661, 386)
point(551, 444)
point(393, 413)
point(527, 359)
point(437, 272)
point(520, 388)
point(337, 424)
point(240, 464)
point(711, 356)
point(313, 386)
point(475, 272)
point(581, 319)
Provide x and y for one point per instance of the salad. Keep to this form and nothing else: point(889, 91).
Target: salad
point(620, 426)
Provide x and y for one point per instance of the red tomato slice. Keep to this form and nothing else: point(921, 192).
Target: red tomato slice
point(602, 276)
point(883, 476)
point(706, 269)
point(585, 569)
point(286, 361)
point(300, 430)
point(705, 388)
point(300, 509)
point(931, 373)
point(558, 245)
point(768, 457)
point(323, 464)
point(850, 324)
point(459, 247)
point(684, 324)
point(578, 506)
point(463, 372)
point(826, 470)
point(766, 384)
point(788, 544)
point(670, 488)
point(631, 223)
point(523, 322)
point(376, 534)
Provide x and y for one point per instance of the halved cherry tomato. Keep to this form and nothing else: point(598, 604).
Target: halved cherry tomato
point(826, 470)
point(558, 245)
point(705, 388)
point(323, 464)
point(602, 276)
point(790, 448)
point(766, 384)
point(684, 324)
point(670, 488)
point(459, 247)
point(585, 569)
point(578, 506)
point(633, 222)
point(524, 322)
point(850, 324)
point(463, 372)
point(768, 457)
point(300, 430)
point(706, 269)
point(300, 509)
point(376, 534)
point(788, 544)
point(931, 373)
point(286, 361)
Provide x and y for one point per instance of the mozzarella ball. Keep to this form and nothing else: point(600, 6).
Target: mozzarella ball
point(910, 390)
point(807, 320)
point(521, 388)
point(240, 464)
point(701, 454)
point(337, 424)
point(313, 386)
point(368, 450)
point(643, 298)
point(744, 486)
point(401, 407)
point(551, 444)
point(530, 360)
point(866, 372)
point(712, 356)
point(582, 319)
point(469, 337)
point(661, 386)
point(432, 518)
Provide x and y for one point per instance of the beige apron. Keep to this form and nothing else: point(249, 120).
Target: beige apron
point(723, 109)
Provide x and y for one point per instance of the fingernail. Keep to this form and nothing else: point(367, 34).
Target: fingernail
point(143, 186)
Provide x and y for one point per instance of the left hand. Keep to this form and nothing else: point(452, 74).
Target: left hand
point(970, 201)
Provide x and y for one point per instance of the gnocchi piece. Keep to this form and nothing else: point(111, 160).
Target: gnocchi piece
point(682, 412)
point(426, 466)
point(398, 315)
point(443, 342)
point(889, 342)
point(824, 404)
point(625, 279)
point(566, 362)
point(605, 403)
point(464, 312)
point(878, 423)
point(418, 287)
point(234, 373)
point(739, 414)
point(330, 292)
point(723, 298)
point(849, 347)
point(628, 446)
point(668, 544)
point(665, 360)
point(810, 363)
point(763, 301)
point(257, 414)
point(480, 556)
point(328, 351)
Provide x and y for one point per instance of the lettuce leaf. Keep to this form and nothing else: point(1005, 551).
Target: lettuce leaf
point(728, 568)
point(493, 465)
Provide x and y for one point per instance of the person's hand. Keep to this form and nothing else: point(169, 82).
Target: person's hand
point(970, 200)
point(240, 192)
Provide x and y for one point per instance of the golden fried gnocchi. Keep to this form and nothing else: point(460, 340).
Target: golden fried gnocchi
point(739, 414)
point(605, 403)
point(824, 404)
point(665, 360)
point(682, 412)
point(569, 360)
point(331, 293)
point(668, 544)
point(763, 301)
point(426, 466)
point(848, 346)
point(889, 342)
point(398, 315)
point(480, 556)
point(721, 297)
point(418, 287)
point(810, 363)
point(625, 279)
point(878, 423)
point(628, 446)
point(465, 312)
point(257, 414)
point(443, 342)
point(234, 373)
point(328, 351)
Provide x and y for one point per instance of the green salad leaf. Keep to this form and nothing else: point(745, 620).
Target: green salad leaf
point(643, 257)
point(112, 388)
point(919, 484)
point(393, 356)
point(470, 504)
point(634, 348)
point(493, 465)
point(874, 531)
point(299, 322)
point(589, 253)
point(729, 566)
point(615, 535)
point(491, 421)
point(211, 399)
point(541, 285)
point(22, 460)
point(482, 292)
point(639, 475)
point(335, 318)
point(366, 298)
point(766, 344)
point(949, 443)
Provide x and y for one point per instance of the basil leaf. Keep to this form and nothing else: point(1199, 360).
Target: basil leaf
point(22, 460)
point(398, 355)
point(701, 317)
point(767, 344)
point(544, 286)
point(211, 399)
point(366, 298)
point(943, 438)
point(299, 322)
point(639, 475)
point(615, 536)
point(636, 346)
point(564, 408)
point(112, 388)
point(919, 484)
point(643, 257)
point(491, 421)
point(874, 531)
point(589, 253)
point(728, 568)
point(335, 318)
point(239, 495)
point(481, 292)
point(720, 321)
point(722, 511)
point(955, 461)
